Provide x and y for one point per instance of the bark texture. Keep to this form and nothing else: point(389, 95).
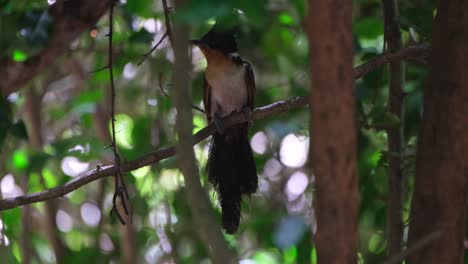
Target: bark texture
point(440, 195)
point(333, 130)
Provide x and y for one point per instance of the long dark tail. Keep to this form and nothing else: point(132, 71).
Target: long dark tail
point(232, 171)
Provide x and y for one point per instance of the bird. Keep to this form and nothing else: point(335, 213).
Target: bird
point(228, 86)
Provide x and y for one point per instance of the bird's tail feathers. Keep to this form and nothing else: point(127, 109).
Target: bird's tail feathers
point(232, 171)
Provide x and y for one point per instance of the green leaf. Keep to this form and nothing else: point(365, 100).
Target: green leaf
point(34, 182)
point(199, 123)
point(382, 118)
point(290, 255)
point(49, 178)
point(141, 134)
point(198, 12)
point(285, 19)
point(37, 161)
point(141, 8)
point(90, 96)
point(20, 159)
point(266, 257)
point(19, 56)
point(142, 36)
point(369, 28)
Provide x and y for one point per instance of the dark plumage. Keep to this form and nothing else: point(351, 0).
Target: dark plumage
point(229, 85)
point(232, 171)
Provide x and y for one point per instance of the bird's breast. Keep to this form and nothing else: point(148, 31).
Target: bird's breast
point(228, 91)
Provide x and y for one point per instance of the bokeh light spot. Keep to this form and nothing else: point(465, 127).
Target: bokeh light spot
point(259, 142)
point(64, 221)
point(90, 214)
point(297, 184)
point(130, 71)
point(105, 243)
point(73, 167)
point(293, 150)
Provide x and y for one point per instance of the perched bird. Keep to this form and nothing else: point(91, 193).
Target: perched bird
point(228, 86)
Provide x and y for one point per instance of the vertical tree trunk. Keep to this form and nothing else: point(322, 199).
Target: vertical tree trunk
point(440, 195)
point(395, 134)
point(33, 117)
point(205, 222)
point(333, 130)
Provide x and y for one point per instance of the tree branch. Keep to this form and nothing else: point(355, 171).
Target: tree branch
point(74, 17)
point(236, 118)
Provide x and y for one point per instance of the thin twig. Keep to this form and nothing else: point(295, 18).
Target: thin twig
point(416, 246)
point(152, 49)
point(160, 81)
point(120, 191)
point(168, 33)
point(160, 77)
point(200, 110)
point(236, 118)
point(167, 21)
point(99, 69)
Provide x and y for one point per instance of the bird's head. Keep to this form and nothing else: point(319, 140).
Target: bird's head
point(217, 40)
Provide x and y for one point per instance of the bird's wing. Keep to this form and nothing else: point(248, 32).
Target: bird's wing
point(250, 85)
point(207, 99)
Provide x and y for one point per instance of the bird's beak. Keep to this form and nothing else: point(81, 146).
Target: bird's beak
point(195, 42)
point(200, 44)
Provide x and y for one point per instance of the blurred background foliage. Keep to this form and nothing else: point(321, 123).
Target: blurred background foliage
point(277, 224)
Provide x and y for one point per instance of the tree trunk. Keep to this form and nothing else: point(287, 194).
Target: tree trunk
point(395, 133)
point(440, 195)
point(204, 219)
point(333, 130)
point(33, 116)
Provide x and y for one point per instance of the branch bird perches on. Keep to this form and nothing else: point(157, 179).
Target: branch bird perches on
point(407, 53)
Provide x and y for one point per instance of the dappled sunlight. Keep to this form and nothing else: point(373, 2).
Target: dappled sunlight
point(90, 214)
point(58, 144)
point(272, 169)
point(153, 253)
point(169, 179)
point(4, 241)
point(293, 150)
point(152, 101)
point(130, 71)
point(259, 142)
point(73, 167)
point(141, 172)
point(3, 238)
point(64, 221)
point(105, 243)
point(158, 217)
point(8, 187)
point(264, 186)
point(124, 125)
point(296, 185)
point(299, 205)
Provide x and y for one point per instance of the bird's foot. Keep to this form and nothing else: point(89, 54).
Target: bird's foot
point(248, 115)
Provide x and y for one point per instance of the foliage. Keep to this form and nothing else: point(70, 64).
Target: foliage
point(277, 223)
